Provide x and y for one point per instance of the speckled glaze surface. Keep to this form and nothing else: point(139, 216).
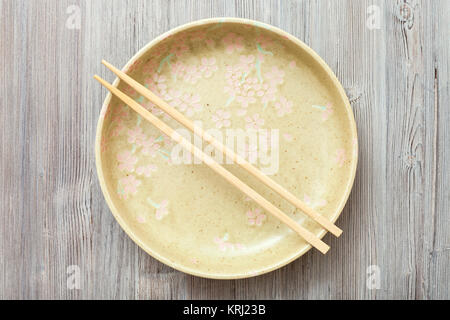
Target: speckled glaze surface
point(229, 74)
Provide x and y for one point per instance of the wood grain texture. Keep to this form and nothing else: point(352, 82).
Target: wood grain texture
point(53, 214)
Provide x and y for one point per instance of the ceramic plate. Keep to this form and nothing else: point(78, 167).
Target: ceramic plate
point(229, 75)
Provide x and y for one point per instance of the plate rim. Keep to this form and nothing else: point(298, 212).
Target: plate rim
point(98, 157)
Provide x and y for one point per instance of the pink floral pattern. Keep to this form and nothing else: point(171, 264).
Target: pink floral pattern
point(146, 170)
point(136, 135)
point(309, 202)
point(134, 66)
point(340, 157)
point(192, 74)
point(264, 41)
point(283, 106)
point(150, 67)
point(275, 76)
point(126, 161)
point(327, 110)
point(177, 69)
point(185, 102)
point(163, 210)
point(254, 122)
point(288, 137)
point(250, 82)
point(150, 147)
point(208, 67)
point(222, 118)
point(255, 217)
point(233, 42)
point(224, 244)
point(156, 83)
point(198, 35)
point(128, 186)
point(179, 48)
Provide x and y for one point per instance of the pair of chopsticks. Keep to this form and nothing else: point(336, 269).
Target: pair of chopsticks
point(307, 235)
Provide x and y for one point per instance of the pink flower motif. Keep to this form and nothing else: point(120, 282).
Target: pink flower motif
point(156, 83)
point(146, 170)
point(246, 63)
point(130, 91)
point(264, 41)
point(190, 104)
point(126, 161)
point(159, 50)
point(192, 75)
point(120, 113)
point(149, 67)
point(162, 210)
point(118, 129)
point(292, 64)
point(246, 100)
point(255, 217)
point(288, 137)
point(134, 66)
point(175, 97)
point(268, 95)
point(246, 60)
point(136, 136)
point(208, 67)
point(308, 202)
point(233, 42)
point(155, 110)
point(140, 219)
point(179, 47)
point(177, 69)
point(198, 35)
point(210, 43)
point(275, 76)
point(103, 144)
point(327, 112)
point(283, 107)
point(254, 122)
point(128, 185)
point(150, 147)
point(223, 245)
point(222, 118)
point(168, 142)
point(232, 88)
point(340, 157)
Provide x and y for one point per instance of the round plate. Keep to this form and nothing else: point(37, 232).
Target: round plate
point(229, 75)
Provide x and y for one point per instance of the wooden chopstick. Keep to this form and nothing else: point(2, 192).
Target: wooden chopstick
point(307, 235)
point(321, 220)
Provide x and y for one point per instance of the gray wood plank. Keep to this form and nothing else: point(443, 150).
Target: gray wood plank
point(53, 214)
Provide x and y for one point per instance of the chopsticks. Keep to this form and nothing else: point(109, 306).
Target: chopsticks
point(324, 222)
point(307, 235)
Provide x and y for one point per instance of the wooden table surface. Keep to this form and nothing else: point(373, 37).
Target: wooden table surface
point(391, 56)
